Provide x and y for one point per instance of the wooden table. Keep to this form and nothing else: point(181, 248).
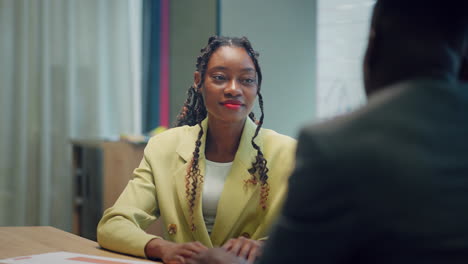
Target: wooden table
point(23, 241)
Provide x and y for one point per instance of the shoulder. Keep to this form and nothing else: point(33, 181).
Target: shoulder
point(278, 149)
point(276, 141)
point(170, 135)
point(168, 140)
point(378, 116)
point(386, 114)
point(363, 140)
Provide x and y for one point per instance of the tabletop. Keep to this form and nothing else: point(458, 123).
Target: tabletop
point(31, 240)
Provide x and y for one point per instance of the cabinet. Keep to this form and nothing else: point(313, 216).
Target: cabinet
point(101, 170)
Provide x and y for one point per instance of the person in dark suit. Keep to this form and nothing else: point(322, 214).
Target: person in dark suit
point(387, 183)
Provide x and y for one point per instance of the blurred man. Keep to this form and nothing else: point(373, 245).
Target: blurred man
point(389, 182)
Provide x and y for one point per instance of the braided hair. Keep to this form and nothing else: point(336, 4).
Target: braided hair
point(194, 111)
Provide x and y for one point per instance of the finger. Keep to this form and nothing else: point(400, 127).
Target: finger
point(180, 259)
point(228, 244)
point(253, 254)
point(173, 262)
point(236, 246)
point(176, 260)
point(245, 249)
point(186, 253)
point(193, 248)
point(194, 260)
point(200, 245)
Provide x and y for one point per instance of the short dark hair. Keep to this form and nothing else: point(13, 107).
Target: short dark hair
point(415, 38)
point(447, 20)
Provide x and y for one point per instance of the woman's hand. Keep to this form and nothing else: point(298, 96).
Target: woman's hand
point(216, 256)
point(245, 248)
point(173, 253)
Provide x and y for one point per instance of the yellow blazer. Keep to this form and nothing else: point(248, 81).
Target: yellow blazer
point(158, 189)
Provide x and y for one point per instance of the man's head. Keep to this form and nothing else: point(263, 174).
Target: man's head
point(412, 39)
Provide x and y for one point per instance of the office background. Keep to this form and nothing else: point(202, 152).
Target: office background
point(87, 69)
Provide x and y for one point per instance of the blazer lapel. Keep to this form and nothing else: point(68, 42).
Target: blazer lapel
point(236, 194)
point(185, 150)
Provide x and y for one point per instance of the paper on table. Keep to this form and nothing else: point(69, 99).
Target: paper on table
point(67, 258)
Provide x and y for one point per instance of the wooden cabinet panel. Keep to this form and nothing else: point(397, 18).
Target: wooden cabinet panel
point(102, 169)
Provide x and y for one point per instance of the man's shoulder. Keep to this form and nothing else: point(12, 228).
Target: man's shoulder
point(394, 120)
point(397, 103)
point(365, 128)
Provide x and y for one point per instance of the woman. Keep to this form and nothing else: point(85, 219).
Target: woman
point(218, 178)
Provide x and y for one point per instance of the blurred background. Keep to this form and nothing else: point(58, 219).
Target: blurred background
point(76, 75)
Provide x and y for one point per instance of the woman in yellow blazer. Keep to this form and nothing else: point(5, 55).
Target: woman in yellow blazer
point(215, 127)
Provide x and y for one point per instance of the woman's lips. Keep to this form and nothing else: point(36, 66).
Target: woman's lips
point(232, 106)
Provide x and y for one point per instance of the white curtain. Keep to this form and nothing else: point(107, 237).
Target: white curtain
point(68, 70)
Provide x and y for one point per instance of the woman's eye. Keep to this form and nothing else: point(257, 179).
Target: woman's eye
point(249, 81)
point(219, 77)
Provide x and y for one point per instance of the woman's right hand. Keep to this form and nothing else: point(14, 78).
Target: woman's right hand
point(172, 253)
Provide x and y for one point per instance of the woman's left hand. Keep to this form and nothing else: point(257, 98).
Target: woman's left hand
point(216, 256)
point(244, 247)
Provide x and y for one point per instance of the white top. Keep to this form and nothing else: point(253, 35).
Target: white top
point(213, 184)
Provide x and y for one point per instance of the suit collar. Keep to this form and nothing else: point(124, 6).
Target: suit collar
point(185, 150)
point(245, 152)
point(187, 144)
point(234, 198)
point(236, 195)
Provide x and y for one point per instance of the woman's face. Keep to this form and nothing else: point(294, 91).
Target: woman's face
point(230, 85)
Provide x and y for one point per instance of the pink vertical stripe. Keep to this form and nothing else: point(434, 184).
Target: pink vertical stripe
point(164, 74)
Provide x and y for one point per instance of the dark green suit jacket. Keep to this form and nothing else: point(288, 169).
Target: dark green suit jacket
point(385, 184)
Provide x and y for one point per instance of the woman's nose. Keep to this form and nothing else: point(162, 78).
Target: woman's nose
point(233, 88)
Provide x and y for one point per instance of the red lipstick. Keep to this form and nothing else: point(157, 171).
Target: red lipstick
point(232, 104)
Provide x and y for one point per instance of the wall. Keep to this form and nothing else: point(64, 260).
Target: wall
point(343, 27)
point(284, 32)
point(191, 24)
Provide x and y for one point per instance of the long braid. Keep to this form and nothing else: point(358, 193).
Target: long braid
point(260, 163)
point(193, 178)
point(185, 116)
point(194, 112)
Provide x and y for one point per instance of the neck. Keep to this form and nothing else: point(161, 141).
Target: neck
point(222, 140)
